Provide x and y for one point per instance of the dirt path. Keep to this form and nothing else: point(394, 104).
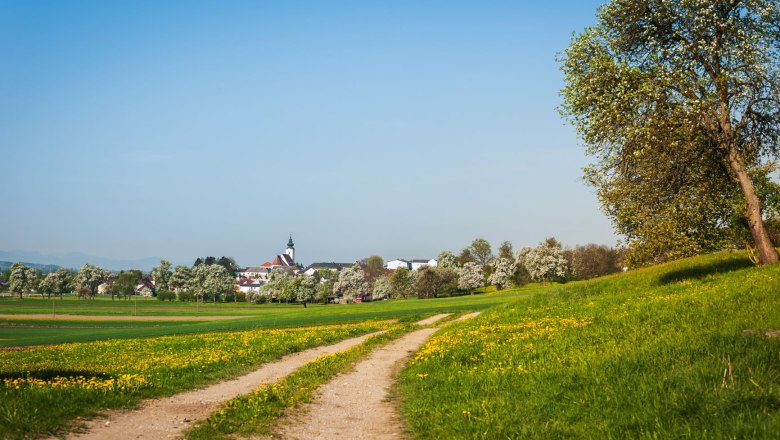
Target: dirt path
point(355, 405)
point(433, 318)
point(169, 416)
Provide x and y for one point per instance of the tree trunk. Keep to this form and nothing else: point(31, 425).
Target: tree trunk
point(766, 251)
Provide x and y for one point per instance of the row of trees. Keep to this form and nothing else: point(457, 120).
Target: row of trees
point(85, 282)
point(203, 281)
point(210, 280)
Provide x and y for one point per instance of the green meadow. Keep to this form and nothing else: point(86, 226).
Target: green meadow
point(672, 351)
point(45, 329)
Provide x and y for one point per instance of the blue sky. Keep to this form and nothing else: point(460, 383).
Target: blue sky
point(176, 130)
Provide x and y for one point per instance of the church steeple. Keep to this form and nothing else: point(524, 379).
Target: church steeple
point(290, 249)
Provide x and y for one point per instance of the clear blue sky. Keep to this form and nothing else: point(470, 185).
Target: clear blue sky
point(184, 129)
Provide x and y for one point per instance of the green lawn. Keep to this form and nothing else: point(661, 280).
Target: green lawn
point(655, 353)
point(24, 331)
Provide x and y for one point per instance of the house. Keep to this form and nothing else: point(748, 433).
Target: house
point(396, 264)
point(145, 287)
point(249, 285)
point(410, 264)
point(333, 267)
point(416, 264)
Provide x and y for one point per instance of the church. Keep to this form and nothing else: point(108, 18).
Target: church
point(251, 278)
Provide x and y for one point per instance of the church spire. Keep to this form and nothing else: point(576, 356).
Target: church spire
point(290, 242)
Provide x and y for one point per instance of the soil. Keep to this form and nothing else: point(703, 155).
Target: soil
point(168, 417)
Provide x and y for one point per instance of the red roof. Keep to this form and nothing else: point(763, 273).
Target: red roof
point(266, 264)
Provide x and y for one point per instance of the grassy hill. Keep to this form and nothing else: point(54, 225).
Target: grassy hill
point(656, 353)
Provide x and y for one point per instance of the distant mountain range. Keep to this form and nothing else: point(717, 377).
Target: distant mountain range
point(45, 268)
point(74, 260)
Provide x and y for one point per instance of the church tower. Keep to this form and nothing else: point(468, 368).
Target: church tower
point(290, 249)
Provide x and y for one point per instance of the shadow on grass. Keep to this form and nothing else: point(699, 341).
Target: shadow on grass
point(51, 374)
point(697, 272)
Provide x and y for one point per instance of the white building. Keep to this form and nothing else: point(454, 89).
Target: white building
point(333, 267)
point(397, 264)
point(410, 264)
point(416, 264)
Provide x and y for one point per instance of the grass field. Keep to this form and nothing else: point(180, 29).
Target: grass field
point(24, 331)
point(42, 389)
point(656, 353)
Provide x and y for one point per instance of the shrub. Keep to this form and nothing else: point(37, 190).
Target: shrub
point(186, 295)
point(166, 295)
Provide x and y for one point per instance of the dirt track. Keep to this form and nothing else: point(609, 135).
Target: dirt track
point(353, 406)
point(168, 417)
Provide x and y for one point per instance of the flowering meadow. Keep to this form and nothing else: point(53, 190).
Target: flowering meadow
point(661, 352)
point(43, 388)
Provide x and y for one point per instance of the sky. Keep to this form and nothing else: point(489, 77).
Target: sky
point(184, 129)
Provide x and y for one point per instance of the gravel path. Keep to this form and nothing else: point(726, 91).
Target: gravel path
point(355, 405)
point(169, 416)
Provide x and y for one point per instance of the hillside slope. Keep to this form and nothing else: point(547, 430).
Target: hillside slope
point(659, 352)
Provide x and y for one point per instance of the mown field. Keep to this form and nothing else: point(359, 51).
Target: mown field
point(16, 329)
point(656, 353)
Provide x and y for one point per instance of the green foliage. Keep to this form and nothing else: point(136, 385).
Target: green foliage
point(656, 353)
point(677, 103)
point(431, 282)
point(186, 296)
point(125, 283)
point(166, 295)
point(481, 251)
point(402, 284)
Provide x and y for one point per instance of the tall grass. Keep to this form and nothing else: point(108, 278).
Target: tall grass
point(657, 353)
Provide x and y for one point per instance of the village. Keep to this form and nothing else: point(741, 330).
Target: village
point(251, 279)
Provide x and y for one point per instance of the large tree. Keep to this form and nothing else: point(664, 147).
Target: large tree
point(23, 279)
point(678, 102)
point(402, 283)
point(180, 278)
point(88, 278)
point(481, 251)
point(503, 272)
point(470, 277)
point(162, 275)
point(544, 262)
point(125, 283)
point(374, 268)
point(56, 282)
point(352, 282)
